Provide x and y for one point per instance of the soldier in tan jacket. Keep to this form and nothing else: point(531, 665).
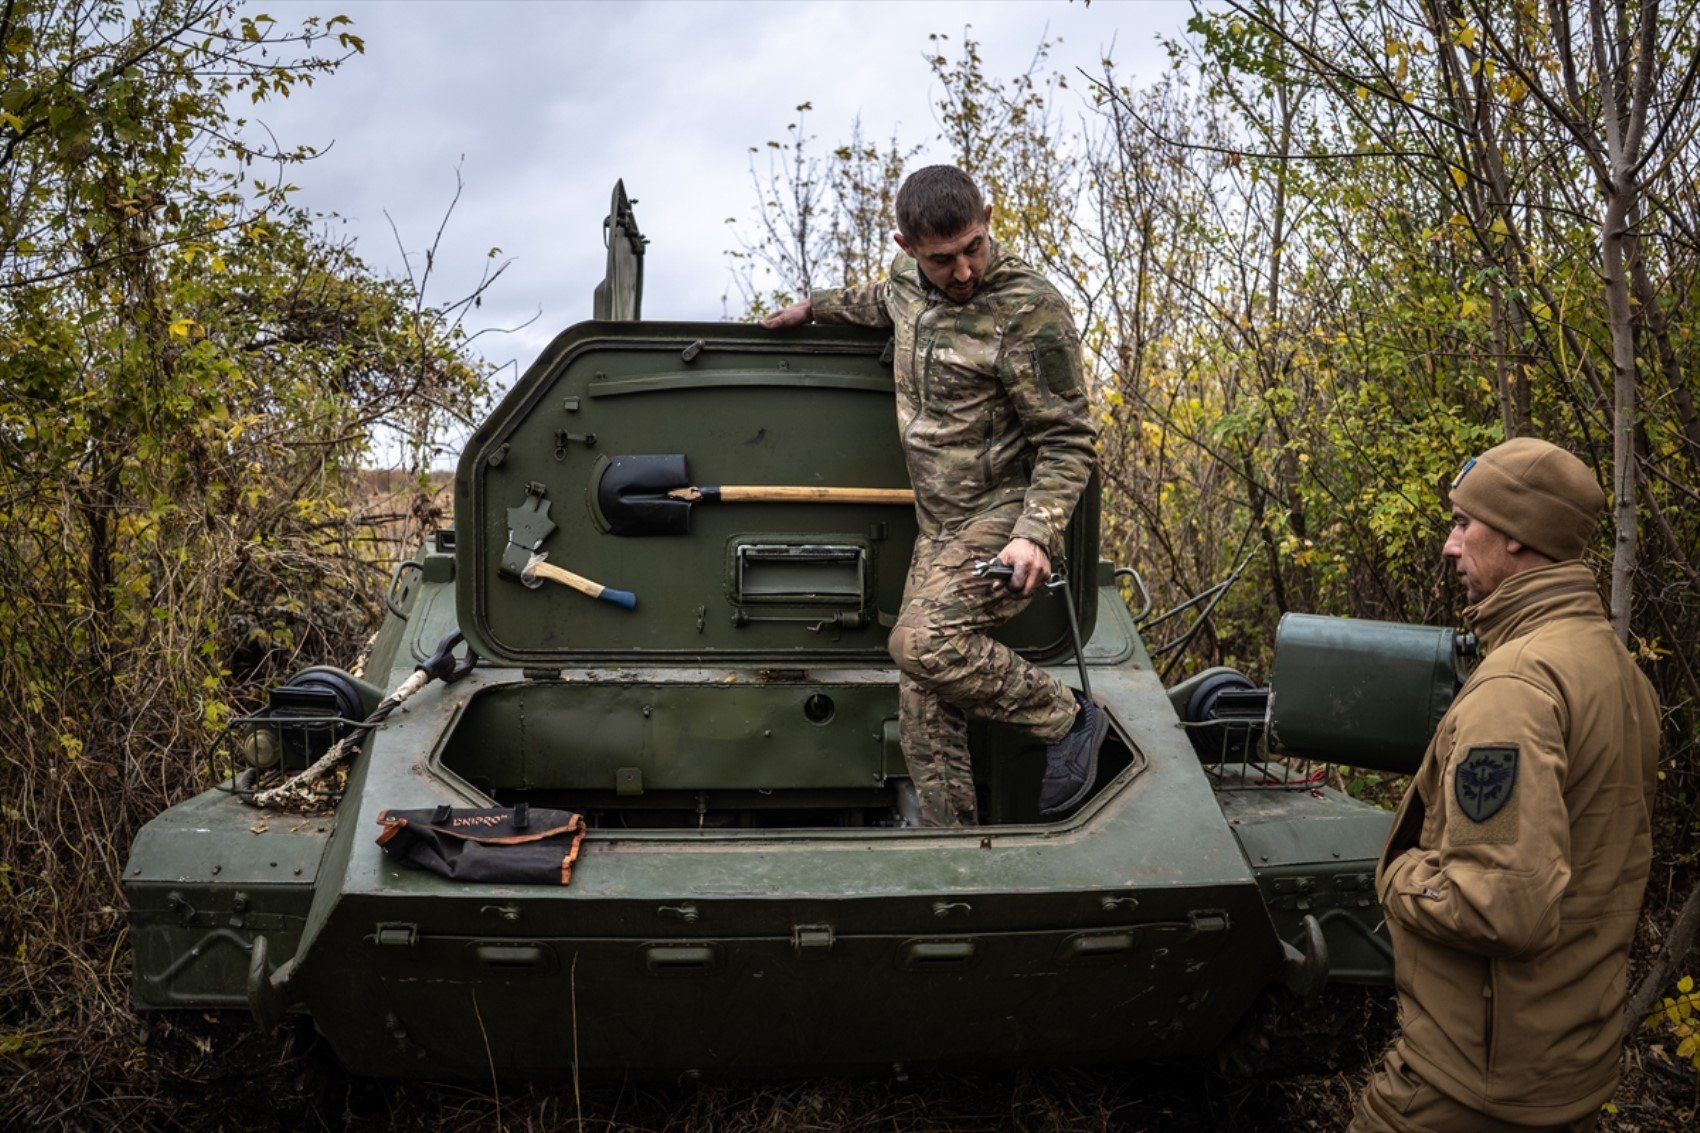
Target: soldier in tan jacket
point(998, 437)
point(1513, 876)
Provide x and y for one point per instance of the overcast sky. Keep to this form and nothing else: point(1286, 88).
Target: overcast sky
point(543, 105)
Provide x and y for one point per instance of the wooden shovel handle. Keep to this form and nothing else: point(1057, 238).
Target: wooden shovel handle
point(780, 494)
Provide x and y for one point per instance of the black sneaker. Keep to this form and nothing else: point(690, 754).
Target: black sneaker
point(1071, 764)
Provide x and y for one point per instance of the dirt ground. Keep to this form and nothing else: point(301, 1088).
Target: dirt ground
point(215, 1072)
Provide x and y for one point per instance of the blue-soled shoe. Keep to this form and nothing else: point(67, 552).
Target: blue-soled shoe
point(1071, 764)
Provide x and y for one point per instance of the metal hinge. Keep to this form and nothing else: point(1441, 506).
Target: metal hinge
point(811, 938)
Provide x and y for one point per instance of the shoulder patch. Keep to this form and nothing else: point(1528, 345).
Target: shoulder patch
point(1058, 363)
point(1484, 780)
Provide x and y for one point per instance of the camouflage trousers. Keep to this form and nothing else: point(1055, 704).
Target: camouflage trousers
point(950, 668)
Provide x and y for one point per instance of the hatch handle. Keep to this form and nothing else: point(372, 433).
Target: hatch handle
point(937, 953)
point(395, 935)
point(1138, 583)
point(1098, 945)
point(395, 581)
point(680, 959)
point(519, 956)
point(1208, 920)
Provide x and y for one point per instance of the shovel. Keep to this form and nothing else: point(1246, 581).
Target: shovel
point(652, 495)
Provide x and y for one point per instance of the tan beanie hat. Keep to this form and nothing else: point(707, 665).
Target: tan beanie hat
point(1535, 492)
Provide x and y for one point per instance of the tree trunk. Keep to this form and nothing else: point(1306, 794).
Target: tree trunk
point(1670, 962)
point(1625, 89)
point(1625, 548)
point(1669, 364)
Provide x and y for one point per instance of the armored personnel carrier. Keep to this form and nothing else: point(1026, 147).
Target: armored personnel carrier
point(629, 627)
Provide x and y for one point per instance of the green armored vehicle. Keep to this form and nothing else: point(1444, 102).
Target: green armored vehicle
point(702, 682)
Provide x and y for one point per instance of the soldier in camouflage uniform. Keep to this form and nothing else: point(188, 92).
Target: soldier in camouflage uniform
point(998, 436)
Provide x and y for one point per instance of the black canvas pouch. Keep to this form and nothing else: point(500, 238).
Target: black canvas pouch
point(522, 844)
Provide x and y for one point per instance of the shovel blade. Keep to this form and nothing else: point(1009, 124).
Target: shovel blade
point(632, 495)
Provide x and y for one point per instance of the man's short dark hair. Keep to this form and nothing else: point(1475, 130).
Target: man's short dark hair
point(938, 201)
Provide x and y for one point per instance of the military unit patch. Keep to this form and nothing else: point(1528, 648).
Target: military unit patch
point(1484, 781)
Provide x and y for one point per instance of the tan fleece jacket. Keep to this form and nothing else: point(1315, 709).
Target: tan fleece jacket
point(1513, 876)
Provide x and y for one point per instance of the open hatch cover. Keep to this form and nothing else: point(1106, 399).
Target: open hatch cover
point(577, 463)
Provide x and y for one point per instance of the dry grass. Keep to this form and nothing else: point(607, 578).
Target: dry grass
point(203, 1072)
point(113, 702)
point(196, 1073)
point(192, 1074)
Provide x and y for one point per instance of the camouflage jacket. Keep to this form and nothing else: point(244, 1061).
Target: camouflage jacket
point(991, 403)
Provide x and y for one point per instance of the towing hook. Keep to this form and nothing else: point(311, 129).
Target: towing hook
point(442, 665)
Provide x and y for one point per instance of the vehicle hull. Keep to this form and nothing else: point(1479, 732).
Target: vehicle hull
point(752, 897)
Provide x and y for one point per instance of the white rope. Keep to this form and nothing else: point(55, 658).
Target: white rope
point(295, 792)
